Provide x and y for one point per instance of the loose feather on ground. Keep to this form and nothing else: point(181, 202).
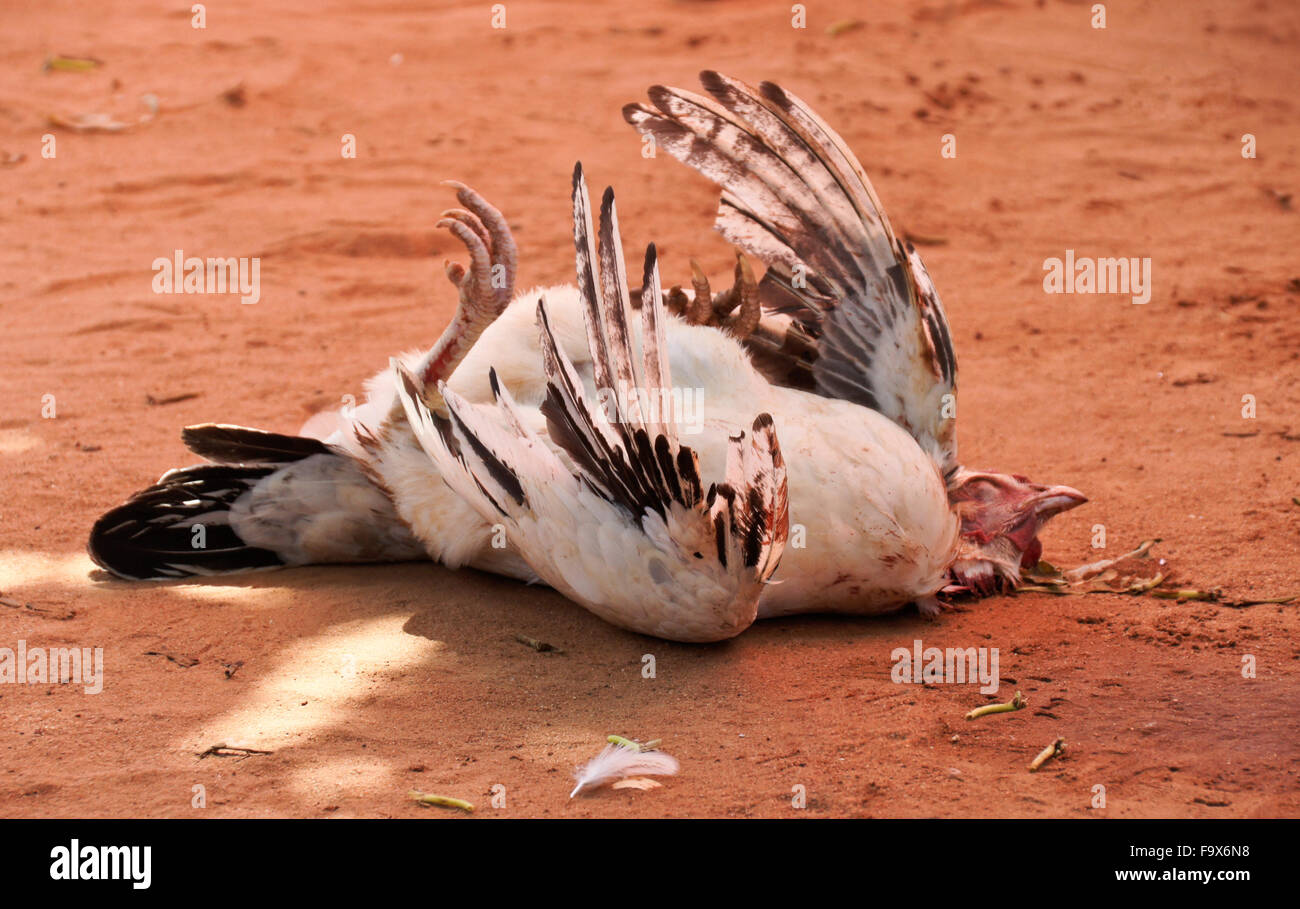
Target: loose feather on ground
point(617, 762)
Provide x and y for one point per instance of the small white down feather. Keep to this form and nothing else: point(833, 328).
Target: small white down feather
point(618, 762)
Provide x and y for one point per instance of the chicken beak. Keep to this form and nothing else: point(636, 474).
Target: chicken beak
point(1053, 500)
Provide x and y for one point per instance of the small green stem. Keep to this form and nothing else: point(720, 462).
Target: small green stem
point(632, 743)
point(1016, 703)
point(442, 801)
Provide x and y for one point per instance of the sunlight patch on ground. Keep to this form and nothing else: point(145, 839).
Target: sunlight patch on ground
point(16, 441)
point(316, 682)
point(36, 569)
point(344, 778)
point(22, 567)
point(213, 589)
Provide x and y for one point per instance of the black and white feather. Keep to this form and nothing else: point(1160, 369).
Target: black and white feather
point(849, 310)
point(273, 500)
point(604, 503)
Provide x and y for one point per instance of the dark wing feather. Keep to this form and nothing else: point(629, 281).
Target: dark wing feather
point(226, 444)
point(849, 310)
point(617, 518)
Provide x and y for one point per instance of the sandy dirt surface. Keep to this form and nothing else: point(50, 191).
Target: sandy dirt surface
point(364, 682)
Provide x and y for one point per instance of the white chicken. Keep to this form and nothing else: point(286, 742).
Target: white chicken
point(543, 436)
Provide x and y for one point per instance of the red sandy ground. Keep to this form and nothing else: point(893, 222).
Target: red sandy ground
point(367, 681)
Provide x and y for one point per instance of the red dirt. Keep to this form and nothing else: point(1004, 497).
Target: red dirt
point(1117, 142)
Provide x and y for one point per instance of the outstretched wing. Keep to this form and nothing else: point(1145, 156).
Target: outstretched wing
point(849, 309)
point(624, 528)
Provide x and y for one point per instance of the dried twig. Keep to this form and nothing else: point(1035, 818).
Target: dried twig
point(174, 399)
point(185, 662)
point(1047, 578)
point(1215, 595)
point(539, 646)
point(60, 614)
point(221, 749)
point(1083, 572)
point(1054, 750)
point(1242, 604)
point(844, 26)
